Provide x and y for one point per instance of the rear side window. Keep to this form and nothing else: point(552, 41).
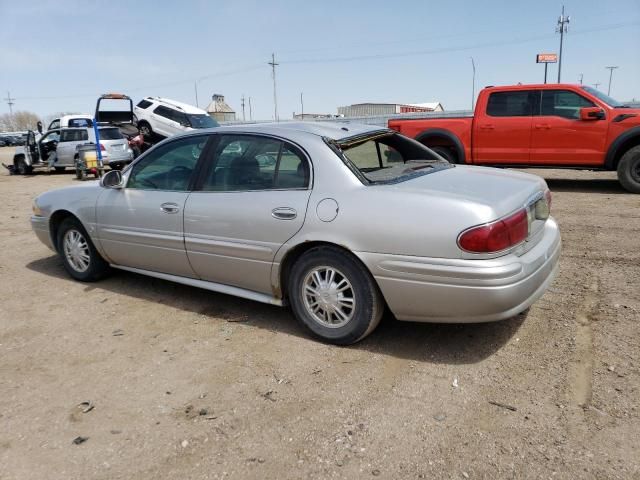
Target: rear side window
point(563, 103)
point(164, 112)
point(79, 135)
point(244, 162)
point(510, 104)
point(144, 104)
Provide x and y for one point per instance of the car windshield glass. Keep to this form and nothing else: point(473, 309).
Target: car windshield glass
point(202, 121)
point(110, 134)
point(390, 158)
point(612, 102)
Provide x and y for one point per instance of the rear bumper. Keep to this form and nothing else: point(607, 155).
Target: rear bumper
point(466, 291)
point(40, 226)
point(117, 158)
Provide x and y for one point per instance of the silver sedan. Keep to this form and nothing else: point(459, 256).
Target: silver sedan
point(337, 221)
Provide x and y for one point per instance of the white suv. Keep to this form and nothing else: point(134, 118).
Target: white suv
point(165, 117)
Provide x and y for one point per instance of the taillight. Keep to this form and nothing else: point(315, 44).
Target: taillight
point(496, 236)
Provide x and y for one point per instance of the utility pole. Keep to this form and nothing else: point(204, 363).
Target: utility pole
point(195, 87)
point(581, 75)
point(242, 103)
point(250, 111)
point(562, 28)
point(302, 106)
point(611, 69)
point(275, 97)
point(473, 83)
point(597, 84)
point(10, 102)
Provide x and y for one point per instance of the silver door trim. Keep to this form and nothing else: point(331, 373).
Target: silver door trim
point(212, 286)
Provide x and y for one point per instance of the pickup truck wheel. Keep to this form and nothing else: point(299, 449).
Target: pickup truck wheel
point(22, 168)
point(334, 296)
point(79, 257)
point(629, 170)
point(445, 153)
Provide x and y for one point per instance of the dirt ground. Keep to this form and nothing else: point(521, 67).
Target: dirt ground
point(189, 384)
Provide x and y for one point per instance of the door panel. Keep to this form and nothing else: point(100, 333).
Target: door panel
point(559, 137)
point(503, 134)
point(232, 237)
point(136, 231)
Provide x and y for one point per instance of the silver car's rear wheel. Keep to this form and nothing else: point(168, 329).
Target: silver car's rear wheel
point(76, 250)
point(329, 297)
point(334, 295)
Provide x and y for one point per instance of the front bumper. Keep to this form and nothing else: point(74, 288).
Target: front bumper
point(466, 291)
point(40, 226)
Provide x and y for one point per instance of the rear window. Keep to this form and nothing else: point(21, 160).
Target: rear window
point(80, 122)
point(388, 158)
point(511, 104)
point(110, 134)
point(144, 104)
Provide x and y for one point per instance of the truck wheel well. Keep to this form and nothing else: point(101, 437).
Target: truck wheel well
point(295, 253)
point(436, 138)
point(624, 148)
point(55, 221)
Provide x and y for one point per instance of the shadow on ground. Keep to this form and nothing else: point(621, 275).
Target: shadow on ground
point(424, 342)
point(604, 185)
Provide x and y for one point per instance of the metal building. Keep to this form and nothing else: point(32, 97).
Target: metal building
point(366, 109)
point(219, 110)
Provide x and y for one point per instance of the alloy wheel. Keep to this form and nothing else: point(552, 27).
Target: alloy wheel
point(328, 296)
point(76, 250)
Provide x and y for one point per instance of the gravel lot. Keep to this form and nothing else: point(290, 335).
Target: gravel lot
point(185, 383)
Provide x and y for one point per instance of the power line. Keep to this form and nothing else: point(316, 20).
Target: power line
point(611, 69)
point(562, 28)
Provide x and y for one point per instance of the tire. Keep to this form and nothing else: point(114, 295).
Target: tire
point(445, 153)
point(80, 258)
point(145, 130)
point(314, 269)
point(629, 170)
point(22, 168)
point(59, 169)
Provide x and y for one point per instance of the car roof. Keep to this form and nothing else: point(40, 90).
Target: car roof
point(186, 108)
point(337, 131)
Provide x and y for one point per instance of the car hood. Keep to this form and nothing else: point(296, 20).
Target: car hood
point(502, 190)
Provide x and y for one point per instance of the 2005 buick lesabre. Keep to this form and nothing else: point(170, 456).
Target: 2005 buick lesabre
point(337, 221)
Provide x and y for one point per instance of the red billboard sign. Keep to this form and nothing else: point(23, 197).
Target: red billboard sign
point(546, 58)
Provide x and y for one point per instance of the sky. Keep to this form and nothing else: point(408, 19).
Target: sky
point(58, 56)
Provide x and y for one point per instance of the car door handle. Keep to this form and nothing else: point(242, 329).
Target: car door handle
point(487, 126)
point(542, 125)
point(170, 207)
point(284, 213)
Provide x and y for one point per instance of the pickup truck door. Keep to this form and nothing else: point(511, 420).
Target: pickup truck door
point(31, 148)
point(502, 134)
point(560, 137)
point(70, 138)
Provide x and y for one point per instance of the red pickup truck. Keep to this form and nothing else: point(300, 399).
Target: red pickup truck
point(550, 125)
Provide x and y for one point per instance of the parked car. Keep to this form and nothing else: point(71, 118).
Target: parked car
point(8, 140)
point(156, 116)
point(550, 125)
point(65, 142)
point(2, 143)
point(335, 228)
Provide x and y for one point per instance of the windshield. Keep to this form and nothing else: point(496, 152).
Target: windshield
point(612, 102)
point(390, 158)
point(110, 134)
point(202, 121)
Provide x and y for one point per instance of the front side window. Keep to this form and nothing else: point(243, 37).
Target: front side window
point(511, 104)
point(78, 135)
point(388, 157)
point(563, 103)
point(168, 167)
point(201, 121)
point(245, 162)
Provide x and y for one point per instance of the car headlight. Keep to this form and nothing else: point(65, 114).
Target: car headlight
point(36, 209)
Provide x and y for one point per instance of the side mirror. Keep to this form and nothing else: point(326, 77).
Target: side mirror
point(39, 125)
point(112, 179)
point(591, 113)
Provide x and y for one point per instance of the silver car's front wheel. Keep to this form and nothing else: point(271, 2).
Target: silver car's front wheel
point(79, 256)
point(76, 250)
point(334, 295)
point(329, 297)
